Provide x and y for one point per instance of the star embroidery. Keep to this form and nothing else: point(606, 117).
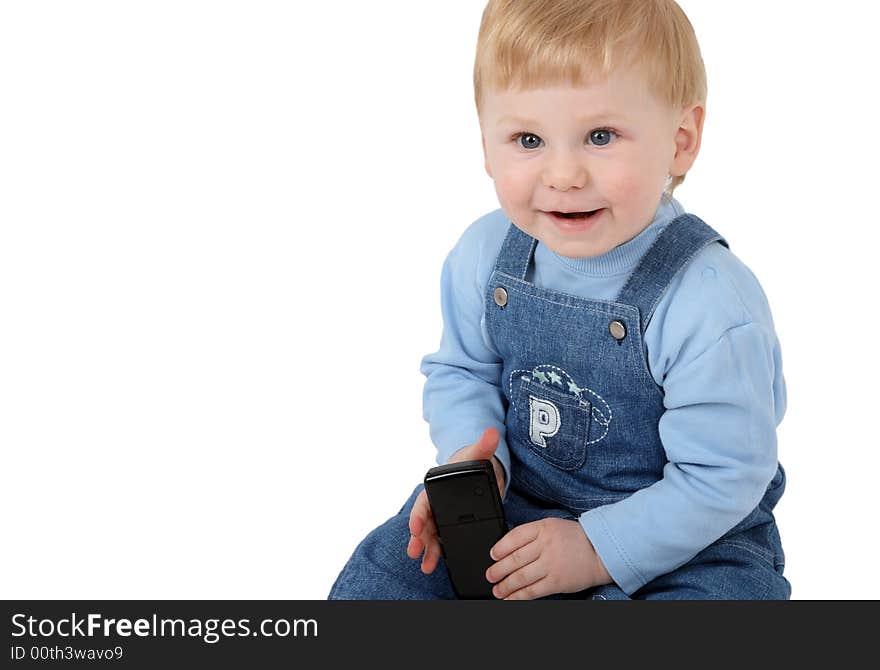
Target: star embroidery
point(555, 378)
point(540, 376)
point(574, 388)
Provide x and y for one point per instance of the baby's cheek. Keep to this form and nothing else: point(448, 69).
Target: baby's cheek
point(624, 188)
point(513, 191)
point(634, 199)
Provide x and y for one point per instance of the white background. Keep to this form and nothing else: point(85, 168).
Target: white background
point(221, 232)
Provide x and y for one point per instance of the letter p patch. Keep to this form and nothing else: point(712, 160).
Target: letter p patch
point(544, 420)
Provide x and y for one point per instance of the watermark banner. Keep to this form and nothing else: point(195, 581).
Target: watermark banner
point(276, 633)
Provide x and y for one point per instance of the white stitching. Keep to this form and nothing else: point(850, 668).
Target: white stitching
point(601, 419)
point(613, 307)
point(510, 382)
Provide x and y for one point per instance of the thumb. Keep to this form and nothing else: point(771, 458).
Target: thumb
point(485, 447)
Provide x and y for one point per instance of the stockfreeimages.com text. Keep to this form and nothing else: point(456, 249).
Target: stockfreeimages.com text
point(209, 630)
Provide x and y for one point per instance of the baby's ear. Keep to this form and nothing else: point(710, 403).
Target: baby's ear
point(688, 138)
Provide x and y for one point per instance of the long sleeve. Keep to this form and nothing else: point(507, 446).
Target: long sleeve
point(713, 349)
point(462, 393)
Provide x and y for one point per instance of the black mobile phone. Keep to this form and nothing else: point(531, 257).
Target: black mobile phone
point(467, 509)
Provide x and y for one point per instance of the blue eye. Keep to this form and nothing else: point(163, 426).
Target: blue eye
point(602, 136)
point(530, 145)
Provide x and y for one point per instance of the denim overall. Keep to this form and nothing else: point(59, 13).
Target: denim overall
point(582, 429)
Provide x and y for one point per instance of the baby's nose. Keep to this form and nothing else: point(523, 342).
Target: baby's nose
point(564, 173)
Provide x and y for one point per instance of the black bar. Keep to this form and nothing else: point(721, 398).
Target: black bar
point(414, 634)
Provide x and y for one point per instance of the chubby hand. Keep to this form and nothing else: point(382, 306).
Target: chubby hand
point(545, 557)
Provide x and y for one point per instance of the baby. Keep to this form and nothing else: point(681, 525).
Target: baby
point(605, 349)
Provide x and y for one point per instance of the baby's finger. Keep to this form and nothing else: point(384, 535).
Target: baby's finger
point(419, 514)
point(415, 546)
point(516, 538)
point(423, 540)
point(432, 556)
point(520, 579)
point(416, 523)
point(539, 589)
point(513, 562)
point(430, 528)
point(425, 527)
point(426, 540)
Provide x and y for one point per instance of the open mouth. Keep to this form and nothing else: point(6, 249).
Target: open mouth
point(576, 216)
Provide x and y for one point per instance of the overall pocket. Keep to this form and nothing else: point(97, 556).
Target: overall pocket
point(551, 423)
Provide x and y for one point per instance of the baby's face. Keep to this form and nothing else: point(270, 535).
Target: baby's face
point(606, 147)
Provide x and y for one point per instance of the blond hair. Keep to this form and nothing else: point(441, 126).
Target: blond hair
point(526, 43)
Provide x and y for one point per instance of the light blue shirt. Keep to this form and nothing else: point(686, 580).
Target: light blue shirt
point(711, 346)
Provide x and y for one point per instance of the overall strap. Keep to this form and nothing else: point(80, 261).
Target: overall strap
point(516, 253)
point(675, 246)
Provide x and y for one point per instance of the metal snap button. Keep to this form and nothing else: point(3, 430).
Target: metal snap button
point(500, 296)
point(618, 330)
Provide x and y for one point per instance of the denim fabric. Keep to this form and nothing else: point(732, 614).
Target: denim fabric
point(582, 428)
point(379, 568)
